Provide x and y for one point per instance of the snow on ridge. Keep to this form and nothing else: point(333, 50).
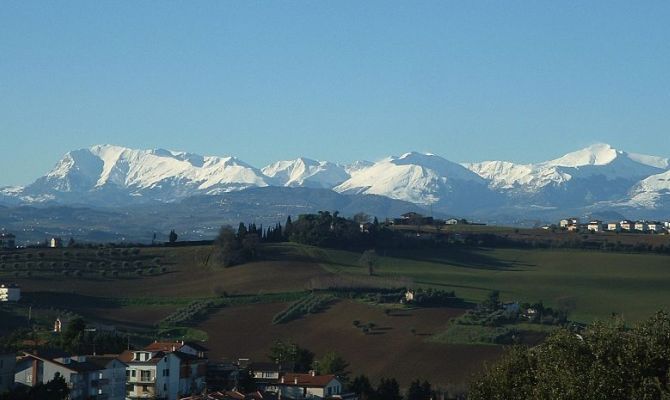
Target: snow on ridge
point(596, 154)
point(652, 161)
point(415, 177)
point(650, 192)
point(595, 160)
point(306, 172)
point(103, 166)
point(423, 178)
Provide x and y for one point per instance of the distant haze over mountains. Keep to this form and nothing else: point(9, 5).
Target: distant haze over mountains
point(597, 179)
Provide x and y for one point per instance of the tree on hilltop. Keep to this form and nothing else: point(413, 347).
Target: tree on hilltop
point(369, 259)
point(173, 236)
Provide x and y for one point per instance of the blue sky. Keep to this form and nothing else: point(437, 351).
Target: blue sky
point(337, 80)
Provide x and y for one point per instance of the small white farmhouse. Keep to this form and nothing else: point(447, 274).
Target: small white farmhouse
point(641, 226)
point(595, 226)
point(614, 227)
point(655, 227)
point(10, 293)
point(565, 223)
point(627, 225)
point(309, 386)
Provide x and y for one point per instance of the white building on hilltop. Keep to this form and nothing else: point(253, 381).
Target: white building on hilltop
point(595, 226)
point(10, 293)
point(641, 226)
point(655, 227)
point(614, 227)
point(565, 223)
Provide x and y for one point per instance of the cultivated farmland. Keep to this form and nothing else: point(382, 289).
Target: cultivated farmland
point(245, 299)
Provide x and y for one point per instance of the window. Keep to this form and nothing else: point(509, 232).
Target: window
point(133, 373)
point(145, 375)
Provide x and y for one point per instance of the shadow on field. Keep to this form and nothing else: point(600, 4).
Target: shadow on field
point(68, 300)
point(286, 253)
point(450, 285)
point(464, 258)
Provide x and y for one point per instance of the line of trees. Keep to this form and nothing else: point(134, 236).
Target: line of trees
point(326, 229)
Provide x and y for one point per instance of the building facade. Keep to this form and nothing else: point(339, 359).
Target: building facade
point(151, 375)
point(88, 377)
point(7, 363)
point(165, 370)
point(308, 386)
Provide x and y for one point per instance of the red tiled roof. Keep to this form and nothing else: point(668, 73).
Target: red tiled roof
point(174, 346)
point(127, 357)
point(164, 346)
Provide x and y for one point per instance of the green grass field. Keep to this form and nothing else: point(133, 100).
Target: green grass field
point(593, 284)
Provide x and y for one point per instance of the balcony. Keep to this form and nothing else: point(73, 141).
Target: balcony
point(138, 396)
point(142, 379)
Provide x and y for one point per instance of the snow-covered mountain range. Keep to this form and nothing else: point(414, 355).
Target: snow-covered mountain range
point(598, 177)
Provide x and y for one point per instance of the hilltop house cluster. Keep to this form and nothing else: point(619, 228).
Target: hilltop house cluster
point(163, 370)
point(413, 218)
point(575, 225)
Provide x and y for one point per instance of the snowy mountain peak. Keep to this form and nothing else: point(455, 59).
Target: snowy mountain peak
point(415, 155)
point(435, 163)
point(356, 166)
point(162, 174)
point(415, 177)
point(603, 154)
point(596, 154)
point(598, 174)
point(306, 172)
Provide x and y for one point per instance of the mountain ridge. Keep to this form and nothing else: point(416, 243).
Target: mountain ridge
point(596, 176)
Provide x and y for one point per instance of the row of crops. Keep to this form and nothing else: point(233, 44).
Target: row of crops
point(308, 305)
point(194, 311)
